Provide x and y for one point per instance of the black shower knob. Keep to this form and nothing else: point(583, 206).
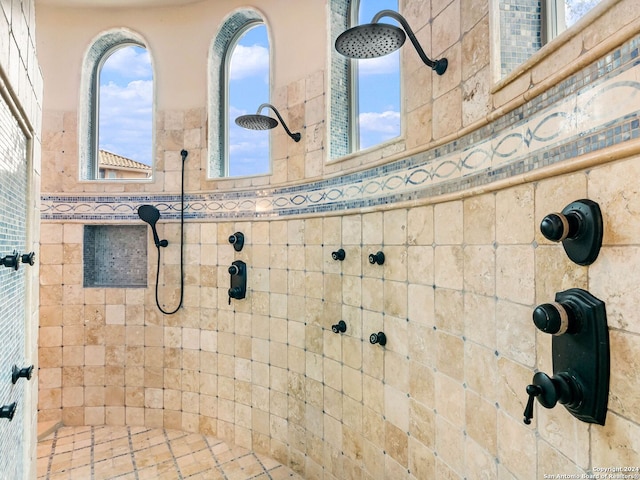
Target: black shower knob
point(11, 261)
point(28, 258)
point(237, 240)
point(17, 373)
point(8, 411)
point(579, 227)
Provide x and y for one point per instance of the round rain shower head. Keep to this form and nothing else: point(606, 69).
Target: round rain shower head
point(256, 122)
point(370, 41)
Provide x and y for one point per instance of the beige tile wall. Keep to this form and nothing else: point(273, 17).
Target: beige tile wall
point(443, 399)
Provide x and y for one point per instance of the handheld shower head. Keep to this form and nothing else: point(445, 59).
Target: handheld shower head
point(375, 39)
point(151, 215)
point(263, 122)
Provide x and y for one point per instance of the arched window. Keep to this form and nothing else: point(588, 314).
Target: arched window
point(240, 82)
point(365, 94)
point(377, 105)
point(116, 116)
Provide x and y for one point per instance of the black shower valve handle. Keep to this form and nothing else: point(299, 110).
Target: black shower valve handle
point(580, 229)
point(29, 258)
point(555, 318)
point(11, 261)
point(17, 373)
point(561, 388)
point(8, 411)
point(237, 240)
point(533, 391)
point(556, 226)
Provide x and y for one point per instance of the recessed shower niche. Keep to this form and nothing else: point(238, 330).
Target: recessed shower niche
point(115, 256)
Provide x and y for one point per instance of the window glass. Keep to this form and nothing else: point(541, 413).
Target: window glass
point(125, 113)
point(527, 25)
point(378, 85)
point(248, 88)
point(574, 10)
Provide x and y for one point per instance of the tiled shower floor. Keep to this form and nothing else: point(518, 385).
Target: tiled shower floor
point(83, 453)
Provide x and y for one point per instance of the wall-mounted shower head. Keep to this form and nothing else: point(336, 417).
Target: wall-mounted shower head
point(262, 122)
point(151, 215)
point(375, 39)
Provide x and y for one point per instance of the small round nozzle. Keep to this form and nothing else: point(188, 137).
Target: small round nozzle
point(371, 40)
point(256, 122)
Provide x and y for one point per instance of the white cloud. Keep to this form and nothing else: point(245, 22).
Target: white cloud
point(126, 119)
point(381, 65)
point(380, 122)
point(249, 61)
point(129, 62)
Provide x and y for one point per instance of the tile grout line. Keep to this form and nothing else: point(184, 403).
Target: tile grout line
point(215, 457)
point(131, 452)
point(175, 460)
point(264, 469)
point(93, 441)
point(51, 454)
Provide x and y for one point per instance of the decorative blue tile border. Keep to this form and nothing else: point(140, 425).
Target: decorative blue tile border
point(594, 109)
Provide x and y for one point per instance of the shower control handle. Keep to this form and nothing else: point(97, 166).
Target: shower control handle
point(28, 258)
point(237, 240)
point(379, 338)
point(17, 373)
point(580, 348)
point(235, 292)
point(555, 318)
point(579, 227)
point(533, 391)
point(11, 261)
point(8, 411)
point(238, 280)
point(562, 388)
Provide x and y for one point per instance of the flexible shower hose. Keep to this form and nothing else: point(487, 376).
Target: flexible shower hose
point(183, 154)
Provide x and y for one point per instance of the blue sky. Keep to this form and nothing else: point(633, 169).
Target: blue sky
point(126, 99)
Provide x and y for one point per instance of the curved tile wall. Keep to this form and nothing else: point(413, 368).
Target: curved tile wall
point(587, 112)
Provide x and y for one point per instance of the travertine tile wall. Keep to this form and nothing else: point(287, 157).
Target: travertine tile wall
point(445, 397)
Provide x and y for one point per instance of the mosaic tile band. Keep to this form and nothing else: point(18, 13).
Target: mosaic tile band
point(589, 111)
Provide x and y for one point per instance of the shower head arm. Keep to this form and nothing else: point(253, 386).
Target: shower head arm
point(438, 65)
point(294, 136)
